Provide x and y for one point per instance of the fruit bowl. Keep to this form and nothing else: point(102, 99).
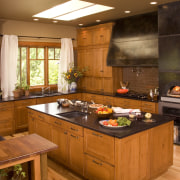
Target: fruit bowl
point(122, 91)
point(104, 116)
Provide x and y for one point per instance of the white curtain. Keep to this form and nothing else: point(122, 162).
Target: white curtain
point(66, 59)
point(9, 55)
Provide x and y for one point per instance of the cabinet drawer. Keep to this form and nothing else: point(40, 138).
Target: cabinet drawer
point(26, 102)
point(99, 145)
point(42, 117)
point(96, 169)
point(148, 107)
point(58, 122)
point(6, 105)
point(73, 128)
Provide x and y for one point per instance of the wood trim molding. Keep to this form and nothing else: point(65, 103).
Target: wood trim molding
point(42, 44)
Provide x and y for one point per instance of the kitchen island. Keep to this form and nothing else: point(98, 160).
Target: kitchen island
point(141, 151)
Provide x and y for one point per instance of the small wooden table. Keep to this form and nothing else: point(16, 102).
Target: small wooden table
point(32, 148)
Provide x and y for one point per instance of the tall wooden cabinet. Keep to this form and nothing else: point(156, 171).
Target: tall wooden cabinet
point(93, 45)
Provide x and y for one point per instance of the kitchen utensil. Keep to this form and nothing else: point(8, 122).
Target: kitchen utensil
point(122, 91)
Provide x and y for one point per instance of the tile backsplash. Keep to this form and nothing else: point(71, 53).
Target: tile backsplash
point(141, 79)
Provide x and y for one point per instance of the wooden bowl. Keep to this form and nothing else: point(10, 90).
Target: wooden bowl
point(122, 91)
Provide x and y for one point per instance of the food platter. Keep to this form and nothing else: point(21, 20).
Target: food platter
point(110, 126)
point(95, 105)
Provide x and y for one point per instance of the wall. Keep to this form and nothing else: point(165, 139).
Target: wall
point(146, 79)
point(23, 28)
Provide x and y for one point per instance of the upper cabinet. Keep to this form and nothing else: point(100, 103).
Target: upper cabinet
point(169, 18)
point(94, 35)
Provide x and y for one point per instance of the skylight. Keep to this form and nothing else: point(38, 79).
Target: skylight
point(72, 9)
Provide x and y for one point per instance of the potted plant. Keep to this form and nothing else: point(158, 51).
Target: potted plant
point(72, 76)
point(17, 90)
point(12, 173)
point(26, 89)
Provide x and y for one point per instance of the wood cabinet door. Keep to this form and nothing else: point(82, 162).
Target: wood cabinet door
point(132, 157)
point(98, 84)
point(84, 37)
point(60, 137)
point(148, 107)
point(99, 145)
point(96, 169)
point(76, 154)
point(31, 121)
point(108, 85)
point(161, 148)
point(43, 129)
point(6, 119)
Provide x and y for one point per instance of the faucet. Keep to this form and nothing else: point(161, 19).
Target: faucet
point(44, 89)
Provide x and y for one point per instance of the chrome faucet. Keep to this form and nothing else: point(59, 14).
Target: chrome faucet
point(44, 89)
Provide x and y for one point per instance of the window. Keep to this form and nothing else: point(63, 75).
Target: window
point(38, 65)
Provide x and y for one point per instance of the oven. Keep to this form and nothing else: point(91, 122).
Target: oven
point(172, 109)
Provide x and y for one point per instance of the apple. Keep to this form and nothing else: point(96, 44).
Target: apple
point(148, 115)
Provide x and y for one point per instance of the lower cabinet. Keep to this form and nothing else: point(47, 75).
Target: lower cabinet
point(6, 118)
point(21, 113)
point(96, 169)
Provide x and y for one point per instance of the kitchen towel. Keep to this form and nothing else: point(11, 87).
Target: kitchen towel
point(121, 110)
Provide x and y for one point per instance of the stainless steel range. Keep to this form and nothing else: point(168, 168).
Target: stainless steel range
point(170, 106)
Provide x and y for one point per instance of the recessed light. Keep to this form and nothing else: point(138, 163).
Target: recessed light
point(35, 19)
point(55, 21)
point(153, 2)
point(80, 24)
point(127, 12)
point(98, 20)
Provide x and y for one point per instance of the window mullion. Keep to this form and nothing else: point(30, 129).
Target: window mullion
point(46, 66)
point(28, 65)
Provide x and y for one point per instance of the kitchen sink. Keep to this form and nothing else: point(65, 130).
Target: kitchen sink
point(72, 114)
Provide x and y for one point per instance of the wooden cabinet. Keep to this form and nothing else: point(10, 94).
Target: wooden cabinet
point(99, 145)
point(161, 148)
point(21, 113)
point(148, 107)
point(31, 121)
point(102, 34)
point(84, 37)
point(76, 153)
point(108, 85)
point(132, 157)
point(97, 169)
point(6, 118)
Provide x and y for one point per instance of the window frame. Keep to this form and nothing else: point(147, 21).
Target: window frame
point(45, 45)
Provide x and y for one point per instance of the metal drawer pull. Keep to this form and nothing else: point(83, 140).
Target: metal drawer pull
point(74, 136)
point(96, 134)
point(65, 132)
point(40, 117)
point(59, 123)
point(74, 129)
point(97, 162)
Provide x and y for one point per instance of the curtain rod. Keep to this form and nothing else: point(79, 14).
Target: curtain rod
point(38, 37)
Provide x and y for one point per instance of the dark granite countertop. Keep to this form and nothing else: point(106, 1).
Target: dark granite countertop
point(91, 121)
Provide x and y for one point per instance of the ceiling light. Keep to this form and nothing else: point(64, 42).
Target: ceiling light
point(35, 19)
point(80, 24)
point(64, 8)
point(154, 2)
point(98, 20)
point(84, 12)
point(55, 21)
point(127, 12)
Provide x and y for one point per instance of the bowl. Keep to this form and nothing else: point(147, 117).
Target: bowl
point(104, 116)
point(122, 91)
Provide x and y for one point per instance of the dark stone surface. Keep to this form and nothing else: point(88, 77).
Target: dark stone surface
point(91, 120)
point(169, 18)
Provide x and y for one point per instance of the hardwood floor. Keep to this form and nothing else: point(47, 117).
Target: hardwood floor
point(58, 172)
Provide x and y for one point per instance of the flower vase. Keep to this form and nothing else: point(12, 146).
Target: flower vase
point(73, 87)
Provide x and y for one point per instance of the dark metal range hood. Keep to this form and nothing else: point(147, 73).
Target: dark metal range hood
point(134, 41)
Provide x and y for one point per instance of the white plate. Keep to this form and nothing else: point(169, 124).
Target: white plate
point(110, 126)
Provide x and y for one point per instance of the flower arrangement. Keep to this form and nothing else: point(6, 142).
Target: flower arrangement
point(73, 74)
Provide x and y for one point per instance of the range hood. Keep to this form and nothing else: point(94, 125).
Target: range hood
point(134, 41)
